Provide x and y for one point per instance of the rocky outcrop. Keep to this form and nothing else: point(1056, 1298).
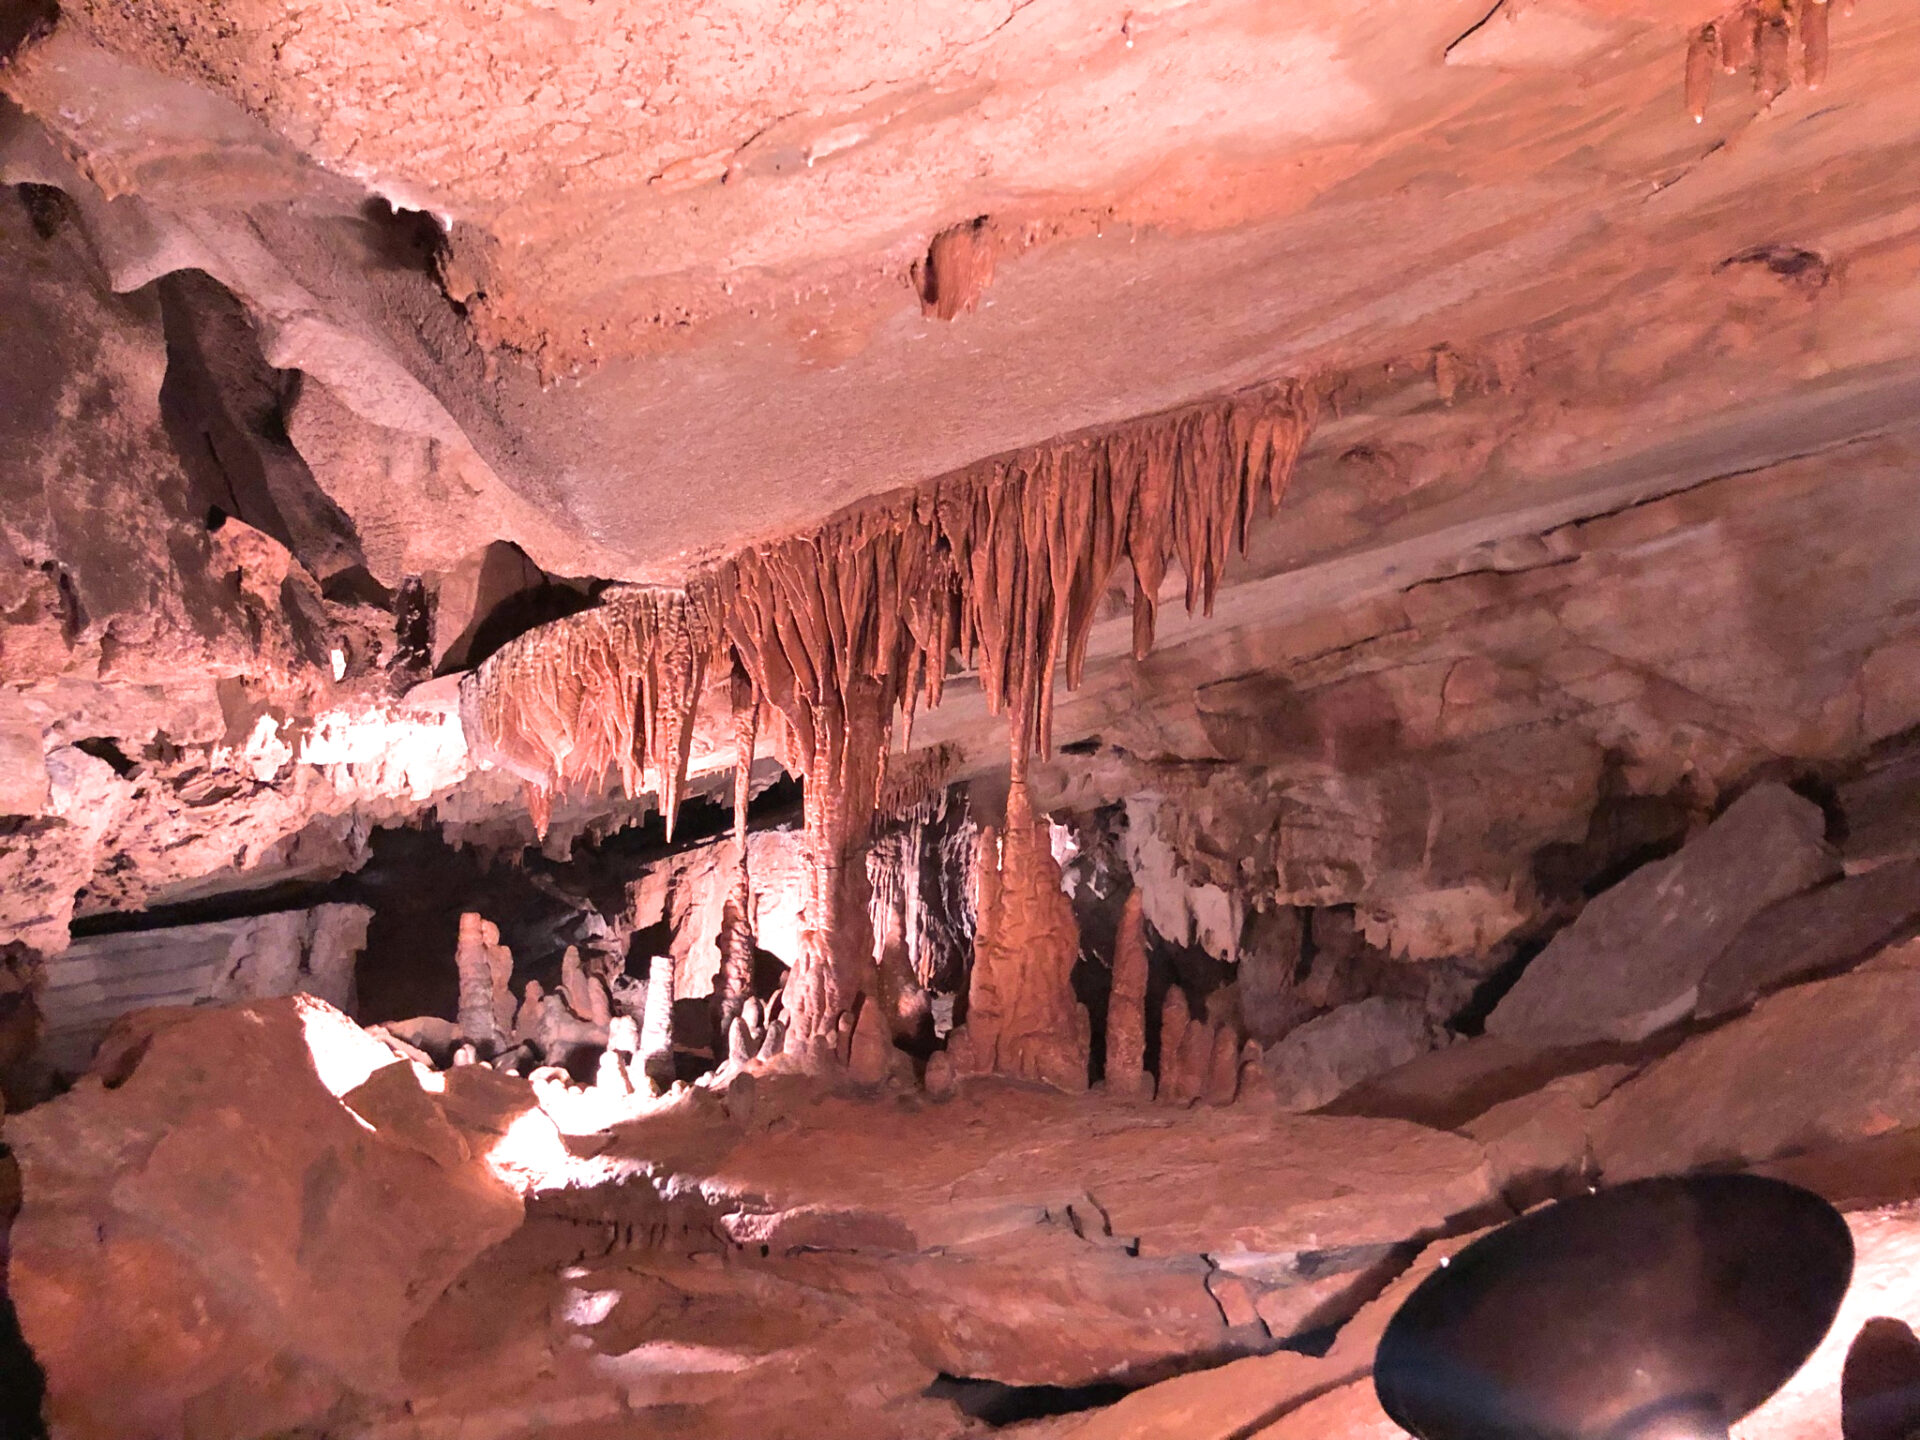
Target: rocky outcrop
point(1811, 935)
point(1634, 961)
point(1821, 1067)
point(1326, 1057)
point(84, 989)
point(213, 1241)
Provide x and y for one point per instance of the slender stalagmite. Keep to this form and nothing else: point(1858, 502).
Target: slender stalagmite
point(486, 967)
point(736, 927)
point(656, 1025)
point(1127, 1006)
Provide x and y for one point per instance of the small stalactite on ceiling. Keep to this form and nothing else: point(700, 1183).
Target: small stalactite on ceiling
point(1758, 39)
point(840, 630)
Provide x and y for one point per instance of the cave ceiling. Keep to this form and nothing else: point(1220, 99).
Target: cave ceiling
point(690, 244)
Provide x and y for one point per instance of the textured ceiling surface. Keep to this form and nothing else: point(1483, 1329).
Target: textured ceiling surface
point(690, 242)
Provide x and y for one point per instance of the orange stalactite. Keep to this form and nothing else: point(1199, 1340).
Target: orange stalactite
point(838, 630)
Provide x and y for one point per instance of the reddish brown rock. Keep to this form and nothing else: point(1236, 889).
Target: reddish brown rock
point(1632, 964)
point(180, 1256)
point(1821, 1067)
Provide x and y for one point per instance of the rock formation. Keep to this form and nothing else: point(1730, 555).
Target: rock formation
point(656, 1026)
point(486, 966)
point(1022, 1016)
point(1126, 1069)
point(1633, 962)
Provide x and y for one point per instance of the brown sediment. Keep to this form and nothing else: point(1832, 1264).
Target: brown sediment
point(838, 630)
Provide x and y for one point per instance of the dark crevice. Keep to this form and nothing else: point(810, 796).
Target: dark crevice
point(998, 1404)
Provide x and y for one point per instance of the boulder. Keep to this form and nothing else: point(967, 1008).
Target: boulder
point(1326, 1057)
point(1812, 934)
point(1632, 964)
point(213, 1243)
point(1818, 1067)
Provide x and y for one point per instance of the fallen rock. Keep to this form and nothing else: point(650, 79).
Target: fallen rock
point(1632, 963)
point(1326, 1057)
point(1535, 1143)
point(217, 1244)
point(1825, 1065)
point(1812, 934)
point(1239, 1399)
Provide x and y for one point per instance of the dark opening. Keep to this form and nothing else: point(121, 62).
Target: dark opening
point(1000, 1404)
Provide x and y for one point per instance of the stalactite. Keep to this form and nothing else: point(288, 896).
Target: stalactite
point(610, 690)
point(1127, 1006)
point(1758, 37)
point(1703, 50)
point(1814, 15)
point(839, 630)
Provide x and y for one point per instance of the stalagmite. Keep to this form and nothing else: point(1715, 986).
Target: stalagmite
point(839, 630)
point(656, 1028)
point(741, 1046)
point(940, 1079)
point(1223, 1067)
point(1022, 1017)
point(1127, 1007)
point(574, 986)
point(486, 1006)
point(870, 1058)
point(623, 1036)
point(735, 981)
point(610, 1075)
point(1175, 1022)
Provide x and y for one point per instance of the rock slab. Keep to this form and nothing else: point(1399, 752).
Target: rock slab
point(1632, 964)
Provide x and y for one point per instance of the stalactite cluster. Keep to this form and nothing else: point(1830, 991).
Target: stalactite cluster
point(1757, 39)
point(837, 631)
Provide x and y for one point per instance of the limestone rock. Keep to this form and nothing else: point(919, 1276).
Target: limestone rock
point(1819, 1067)
point(1324, 1058)
point(101, 977)
point(178, 1255)
point(1633, 962)
point(1809, 935)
